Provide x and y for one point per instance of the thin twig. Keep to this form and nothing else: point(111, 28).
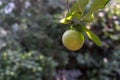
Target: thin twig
point(68, 6)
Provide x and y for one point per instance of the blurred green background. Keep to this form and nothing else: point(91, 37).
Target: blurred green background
point(31, 47)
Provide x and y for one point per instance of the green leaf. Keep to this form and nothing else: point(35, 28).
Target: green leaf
point(94, 5)
point(82, 10)
point(80, 5)
point(77, 9)
point(92, 36)
point(66, 20)
point(88, 19)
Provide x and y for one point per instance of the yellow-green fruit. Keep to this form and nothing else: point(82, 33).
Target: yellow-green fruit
point(73, 40)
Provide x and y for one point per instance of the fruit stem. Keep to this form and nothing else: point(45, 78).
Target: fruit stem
point(72, 28)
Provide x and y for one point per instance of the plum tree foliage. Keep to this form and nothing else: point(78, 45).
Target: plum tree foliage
point(81, 13)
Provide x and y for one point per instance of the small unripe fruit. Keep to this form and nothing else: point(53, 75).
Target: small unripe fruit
point(73, 40)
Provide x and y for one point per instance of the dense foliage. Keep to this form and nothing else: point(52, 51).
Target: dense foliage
point(31, 47)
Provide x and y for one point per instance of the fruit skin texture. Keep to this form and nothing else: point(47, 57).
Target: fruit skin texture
point(73, 40)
